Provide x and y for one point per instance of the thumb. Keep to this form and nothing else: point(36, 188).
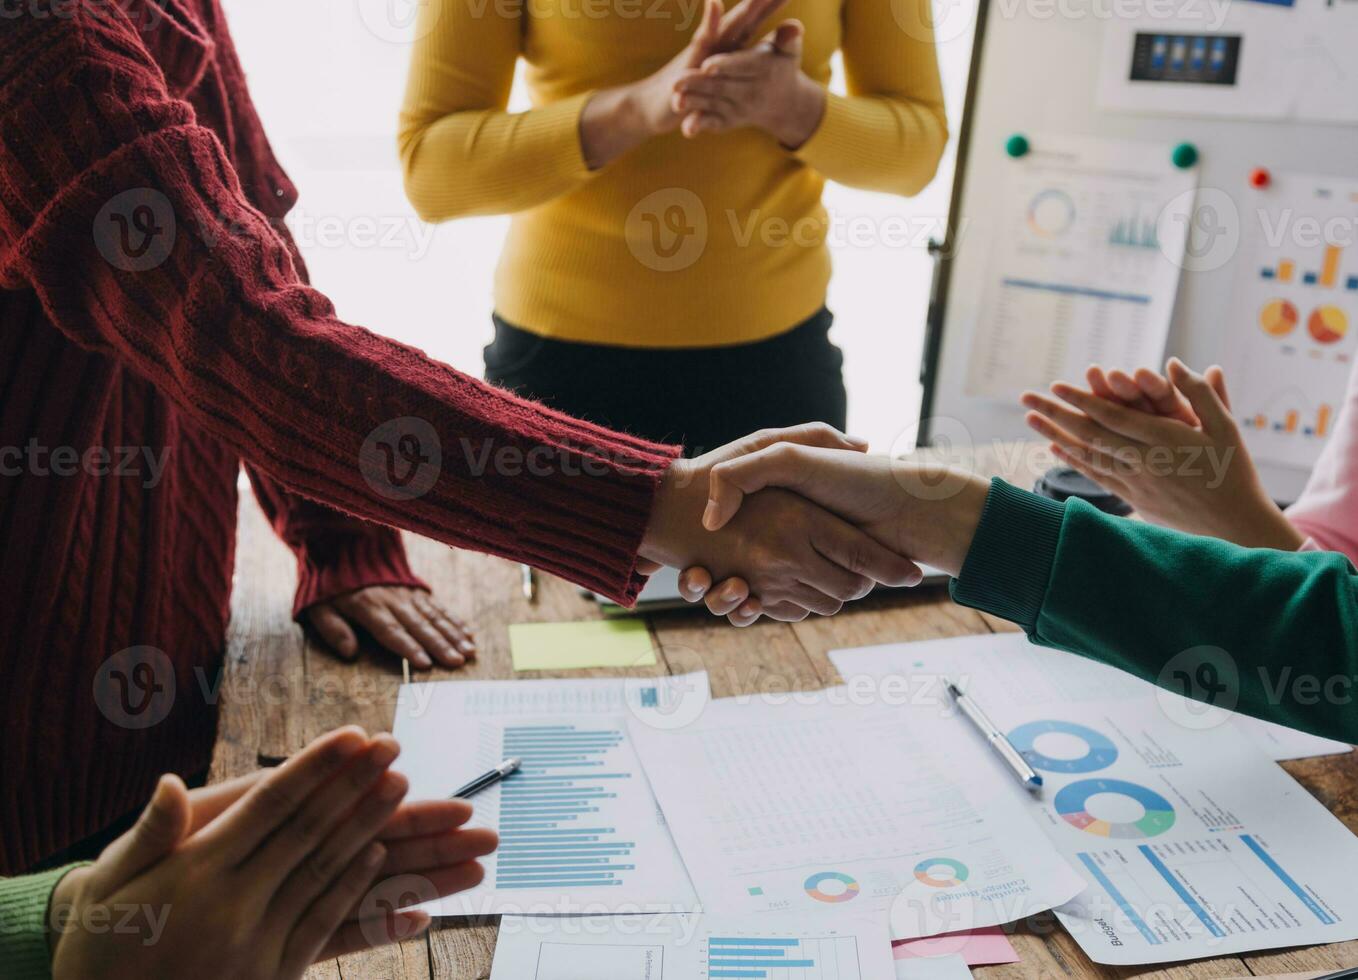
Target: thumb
point(1212, 412)
point(1217, 379)
point(162, 825)
point(787, 39)
point(783, 465)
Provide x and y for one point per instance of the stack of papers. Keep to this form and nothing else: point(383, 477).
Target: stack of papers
point(813, 828)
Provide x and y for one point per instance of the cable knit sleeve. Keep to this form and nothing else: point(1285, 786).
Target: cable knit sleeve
point(125, 217)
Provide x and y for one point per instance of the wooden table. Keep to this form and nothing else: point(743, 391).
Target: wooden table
point(281, 691)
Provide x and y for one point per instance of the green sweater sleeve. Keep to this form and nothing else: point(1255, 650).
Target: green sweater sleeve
point(23, 924)
point(1133, 595)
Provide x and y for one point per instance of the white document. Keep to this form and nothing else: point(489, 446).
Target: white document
point(816, 804)
point(580, 832)
point(1007, 669)
point(1192, 841)
point(1295, 313)
point(951, 967)
point(690, 947)
point(1258, 59)
point(1085, 263)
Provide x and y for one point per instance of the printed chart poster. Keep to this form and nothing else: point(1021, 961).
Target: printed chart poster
point(1295, 314)
point(1085, 264)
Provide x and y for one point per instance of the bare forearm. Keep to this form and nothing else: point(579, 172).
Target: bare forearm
point(611, 124)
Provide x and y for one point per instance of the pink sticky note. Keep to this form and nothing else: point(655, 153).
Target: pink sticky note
point(980, 947)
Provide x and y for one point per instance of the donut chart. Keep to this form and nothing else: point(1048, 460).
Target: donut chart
point(1051, 213)
point(812, 886)
point(941, 872)
point(1070, 805)
point(1100, 750)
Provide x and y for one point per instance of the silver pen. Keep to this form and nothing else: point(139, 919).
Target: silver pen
point(997, 739)
point(487, 780)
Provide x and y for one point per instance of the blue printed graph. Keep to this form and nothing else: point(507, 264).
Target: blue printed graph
point(1071, 805)
point(1100, 752)
point(776, 958)
point(549, 825)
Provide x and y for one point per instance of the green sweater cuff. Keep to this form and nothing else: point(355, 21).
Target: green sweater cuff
point(1010, 560)
point(23, 924)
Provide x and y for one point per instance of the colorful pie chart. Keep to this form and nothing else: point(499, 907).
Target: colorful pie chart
point(813, 887)
point(1100, 752)
point(1278, 318)
point(1328, 324)
point(1071, 804)
point(941, 872)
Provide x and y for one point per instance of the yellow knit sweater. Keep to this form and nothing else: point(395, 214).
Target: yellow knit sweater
point(679, 243)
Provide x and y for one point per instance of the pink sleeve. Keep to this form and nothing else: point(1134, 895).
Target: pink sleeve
point(1327, 511)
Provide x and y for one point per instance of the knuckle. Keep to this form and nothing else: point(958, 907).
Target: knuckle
point(308, 825)
point(321, 867)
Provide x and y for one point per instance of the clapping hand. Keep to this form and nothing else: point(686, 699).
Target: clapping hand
point(1169, 446)
point(265, 875)
point(763, 87)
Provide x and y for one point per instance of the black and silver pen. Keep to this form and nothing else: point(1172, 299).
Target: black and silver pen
point(502, 771)
point(997, 739)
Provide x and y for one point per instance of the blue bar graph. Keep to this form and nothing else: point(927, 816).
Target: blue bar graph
point(1311, 904)
point(550, 829)
point(751, 957)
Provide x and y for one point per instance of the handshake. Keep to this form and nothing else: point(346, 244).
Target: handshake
point(796, 521)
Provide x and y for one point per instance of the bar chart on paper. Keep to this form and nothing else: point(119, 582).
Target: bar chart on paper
point(551, 829)
point(780, 958)
point(578, 823)
point(700, 946)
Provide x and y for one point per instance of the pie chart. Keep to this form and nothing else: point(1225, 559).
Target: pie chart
point(1328, 324)
point(1278, 318)
point(1071, 804)
point(1100, 752)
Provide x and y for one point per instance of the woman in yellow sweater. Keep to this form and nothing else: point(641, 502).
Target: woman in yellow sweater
point(666, 268)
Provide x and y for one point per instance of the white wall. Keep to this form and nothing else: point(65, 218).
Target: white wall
point(327, 77)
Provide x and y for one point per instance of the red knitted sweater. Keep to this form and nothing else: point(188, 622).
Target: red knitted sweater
point(156, 334)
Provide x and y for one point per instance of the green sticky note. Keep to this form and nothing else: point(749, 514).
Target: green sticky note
point(574, 646)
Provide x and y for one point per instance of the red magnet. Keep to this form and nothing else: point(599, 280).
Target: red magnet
point(1260, 178)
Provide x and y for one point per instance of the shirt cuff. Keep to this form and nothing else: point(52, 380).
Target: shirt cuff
point(24, 915)
point(835, 139)
point(1009, 564)
point(556, 128)
point(334, 564)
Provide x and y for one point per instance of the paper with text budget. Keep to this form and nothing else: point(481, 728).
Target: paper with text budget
point(580, 831)
point(694, 947)
point(1193, 842)
point(817, 804)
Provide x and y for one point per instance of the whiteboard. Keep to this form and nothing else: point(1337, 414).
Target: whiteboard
point(1036, 70)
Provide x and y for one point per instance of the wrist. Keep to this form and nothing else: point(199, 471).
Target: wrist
point(805, 110)
point(614, 121)
point(61, 906)
point(675, 516)
point(944, 510)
